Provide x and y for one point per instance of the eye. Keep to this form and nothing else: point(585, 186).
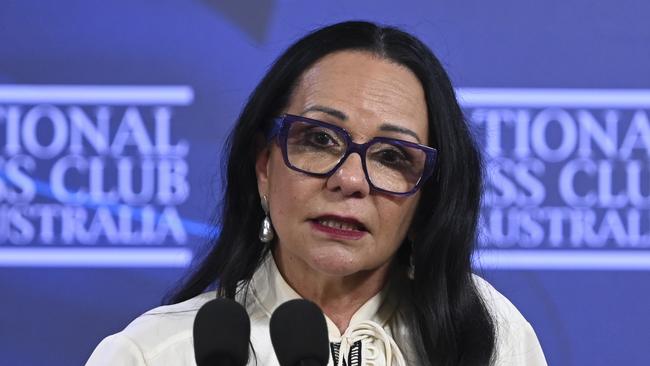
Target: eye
point(392, 156)
point(320, 138)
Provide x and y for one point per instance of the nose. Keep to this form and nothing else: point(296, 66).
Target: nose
point(349, 178)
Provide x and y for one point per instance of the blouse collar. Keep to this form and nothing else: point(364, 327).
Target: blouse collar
point(270, 290)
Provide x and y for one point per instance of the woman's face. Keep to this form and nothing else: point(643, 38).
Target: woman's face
point(339, 226)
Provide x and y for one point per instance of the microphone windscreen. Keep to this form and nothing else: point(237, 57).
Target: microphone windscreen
point(299, 334)
point(221, 334)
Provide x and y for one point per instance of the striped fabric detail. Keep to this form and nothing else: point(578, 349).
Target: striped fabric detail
point(354, 357)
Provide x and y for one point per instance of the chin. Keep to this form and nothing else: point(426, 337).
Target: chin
point(336, 264)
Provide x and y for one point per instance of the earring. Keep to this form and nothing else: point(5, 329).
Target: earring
point(266, 230)
point(410, 272)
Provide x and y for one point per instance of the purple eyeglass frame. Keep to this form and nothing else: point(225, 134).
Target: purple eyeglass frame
point(280, 129)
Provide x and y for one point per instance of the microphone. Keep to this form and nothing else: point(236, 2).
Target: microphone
point(299, 334)
point(221, 334)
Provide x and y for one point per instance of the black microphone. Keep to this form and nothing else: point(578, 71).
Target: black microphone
point(299, 334)
point(221, 333)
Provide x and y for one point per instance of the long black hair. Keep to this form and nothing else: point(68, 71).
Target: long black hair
point(450, 323)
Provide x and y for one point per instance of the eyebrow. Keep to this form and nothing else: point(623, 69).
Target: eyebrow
point(327, 110)
point(387, 127)
point(394, 128)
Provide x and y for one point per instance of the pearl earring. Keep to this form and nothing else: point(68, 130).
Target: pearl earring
point(266, 230)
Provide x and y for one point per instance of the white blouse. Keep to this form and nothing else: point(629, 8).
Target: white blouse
point(375, 336)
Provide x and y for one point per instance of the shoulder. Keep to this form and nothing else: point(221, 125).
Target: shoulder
point(166, 323)
point(499, 306)
point(517, 342)
point(160, 333)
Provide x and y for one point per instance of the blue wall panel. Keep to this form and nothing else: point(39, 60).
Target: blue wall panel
point(67, 286)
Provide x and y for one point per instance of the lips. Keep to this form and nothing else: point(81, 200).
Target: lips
point(340, 224)
point(339, 227)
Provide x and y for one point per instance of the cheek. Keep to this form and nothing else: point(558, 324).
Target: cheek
point(281, 190)
point(285, 185)
point(289, 194)
point(399, 214)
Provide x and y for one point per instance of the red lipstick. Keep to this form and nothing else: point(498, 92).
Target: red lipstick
point(331, 225)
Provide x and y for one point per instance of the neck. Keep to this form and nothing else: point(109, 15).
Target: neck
point(339, 296)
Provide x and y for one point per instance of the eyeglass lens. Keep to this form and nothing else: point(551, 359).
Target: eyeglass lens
point(318, 149)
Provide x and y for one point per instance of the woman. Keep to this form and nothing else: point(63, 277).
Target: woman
point(354, 157)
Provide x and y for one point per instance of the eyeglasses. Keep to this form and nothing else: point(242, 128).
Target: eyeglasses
point(317, 148)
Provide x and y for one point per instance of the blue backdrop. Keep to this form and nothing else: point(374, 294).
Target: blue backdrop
point(112, 117)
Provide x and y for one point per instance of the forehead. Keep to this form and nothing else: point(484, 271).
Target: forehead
point(368, 89)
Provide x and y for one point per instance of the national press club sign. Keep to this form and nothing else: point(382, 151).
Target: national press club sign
point(95, 175)
point(84, 168)
point(568, 174)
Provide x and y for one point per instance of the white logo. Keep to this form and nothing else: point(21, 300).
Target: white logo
point(568, 176)
point(86, 166)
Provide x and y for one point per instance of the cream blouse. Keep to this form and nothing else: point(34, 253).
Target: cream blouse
point(375, 336)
